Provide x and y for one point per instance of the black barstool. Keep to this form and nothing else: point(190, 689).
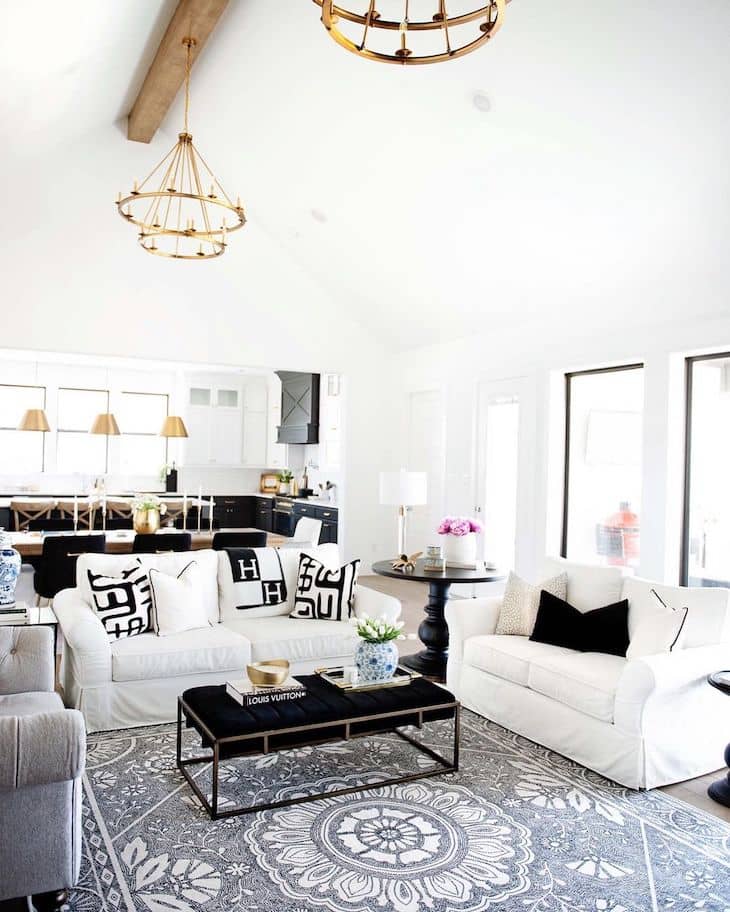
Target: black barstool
point(153, 543)
point(57, 567)
point(223, 540)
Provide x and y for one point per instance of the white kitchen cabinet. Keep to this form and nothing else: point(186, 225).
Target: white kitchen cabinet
point(255, 419)
point(276, 452)
point(214, 418)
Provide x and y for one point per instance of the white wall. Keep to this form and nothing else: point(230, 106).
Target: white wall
point(458, 368)
point(95, 292)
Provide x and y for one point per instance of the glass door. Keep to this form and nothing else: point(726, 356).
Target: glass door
point(504, 481)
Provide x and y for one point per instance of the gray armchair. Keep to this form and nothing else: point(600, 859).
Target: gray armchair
point(42, 756)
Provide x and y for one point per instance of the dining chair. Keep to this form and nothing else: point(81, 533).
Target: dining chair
point(159, 543)
point(306, 534)
point(86, 510)
point(57, 567)
point(223, 540)
point(25, 511)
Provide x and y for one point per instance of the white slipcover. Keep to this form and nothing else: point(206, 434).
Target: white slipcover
point(136, 681)
point(295, 639)
point(643, 722)
point(141, 658)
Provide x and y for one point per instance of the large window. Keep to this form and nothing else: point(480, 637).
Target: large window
point(141, 416)
point(76, 449)
point(706, 534)
point(20, 451)
point(602, 498)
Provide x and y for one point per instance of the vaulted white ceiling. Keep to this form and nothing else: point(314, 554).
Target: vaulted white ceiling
point(595, 190)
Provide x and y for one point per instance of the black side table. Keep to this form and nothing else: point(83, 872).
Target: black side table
point(720, 791)
point(433, 630)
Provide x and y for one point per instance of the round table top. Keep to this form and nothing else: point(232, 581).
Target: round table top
point(720, 680)
point(450, 575)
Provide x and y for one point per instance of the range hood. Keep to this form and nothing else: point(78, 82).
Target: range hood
point(299, 407)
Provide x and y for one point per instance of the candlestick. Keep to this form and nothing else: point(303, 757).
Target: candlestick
point(212, 504)
point(76, 513)
point(103, 513)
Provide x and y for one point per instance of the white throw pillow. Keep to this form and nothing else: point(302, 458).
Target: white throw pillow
point(589, 585)
point(177, 602)
point(521, 601)
point(657, 632)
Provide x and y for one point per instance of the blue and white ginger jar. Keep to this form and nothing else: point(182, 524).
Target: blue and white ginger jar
point(10, 562)
point(376, 661)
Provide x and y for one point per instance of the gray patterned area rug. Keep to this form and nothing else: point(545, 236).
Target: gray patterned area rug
point(518, 828)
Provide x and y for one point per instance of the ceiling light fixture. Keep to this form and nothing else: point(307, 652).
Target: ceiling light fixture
point(372, 36)
point(175, 216)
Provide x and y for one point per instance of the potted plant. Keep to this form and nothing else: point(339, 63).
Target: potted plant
point(376, 656)
point(146, 512)
point(285, 479)
point(460, 542)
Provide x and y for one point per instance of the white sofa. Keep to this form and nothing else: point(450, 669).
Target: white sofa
point(136, 681)
point(643, 723)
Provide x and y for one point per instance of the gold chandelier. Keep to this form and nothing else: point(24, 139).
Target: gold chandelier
point(175, 215)
point(444, 36)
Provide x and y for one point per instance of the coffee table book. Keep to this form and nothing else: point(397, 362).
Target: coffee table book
point(248, 694)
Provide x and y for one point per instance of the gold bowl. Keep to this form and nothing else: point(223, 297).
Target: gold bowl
point(269, 673)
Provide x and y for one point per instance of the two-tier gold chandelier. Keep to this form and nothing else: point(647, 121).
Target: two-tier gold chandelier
point(405, 38)
point(180, 208)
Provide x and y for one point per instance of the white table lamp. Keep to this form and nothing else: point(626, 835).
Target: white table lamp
point(403, 490)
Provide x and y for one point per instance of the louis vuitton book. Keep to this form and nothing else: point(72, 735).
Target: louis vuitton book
point(248, 694)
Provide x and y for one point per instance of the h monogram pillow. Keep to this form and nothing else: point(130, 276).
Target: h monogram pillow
point(251, 583)
point(123, 603)
point(323, 594)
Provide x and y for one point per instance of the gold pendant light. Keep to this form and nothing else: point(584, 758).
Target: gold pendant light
point(173, 426)
point(443, 36)
point(180, 208)
point(105, 424)
point(34, 420)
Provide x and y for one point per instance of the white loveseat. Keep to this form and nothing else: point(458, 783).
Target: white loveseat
point(644, 723)
point(136, 681)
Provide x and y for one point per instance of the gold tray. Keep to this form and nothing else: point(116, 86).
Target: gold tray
point(401, 677)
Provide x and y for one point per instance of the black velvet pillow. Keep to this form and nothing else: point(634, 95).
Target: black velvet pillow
point(601, 630)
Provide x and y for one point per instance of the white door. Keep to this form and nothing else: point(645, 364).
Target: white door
point(505, 482)
point(426, 453)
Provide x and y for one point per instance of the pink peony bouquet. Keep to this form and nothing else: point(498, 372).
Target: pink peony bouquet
point(458, 525)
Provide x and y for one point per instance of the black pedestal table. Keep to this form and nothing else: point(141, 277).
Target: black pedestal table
point(433, 629)
point(720, 791)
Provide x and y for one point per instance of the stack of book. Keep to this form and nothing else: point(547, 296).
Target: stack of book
point(248, 694)
point(16, 613)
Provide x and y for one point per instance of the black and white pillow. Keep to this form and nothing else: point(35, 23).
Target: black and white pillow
point(324, 594)
point(257, 577)
point(123, 603)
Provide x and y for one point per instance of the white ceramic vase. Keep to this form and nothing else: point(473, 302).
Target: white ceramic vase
point(460, 549)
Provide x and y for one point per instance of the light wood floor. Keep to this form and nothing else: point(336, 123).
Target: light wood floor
point(413, 597)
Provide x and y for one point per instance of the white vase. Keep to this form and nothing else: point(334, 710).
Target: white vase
point(460, 549)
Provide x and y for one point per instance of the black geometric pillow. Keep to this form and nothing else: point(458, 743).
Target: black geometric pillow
point(122, 603)
point(324, 594)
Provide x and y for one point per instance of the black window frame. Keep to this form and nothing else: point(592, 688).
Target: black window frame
point(569, 375)
point(689, 363)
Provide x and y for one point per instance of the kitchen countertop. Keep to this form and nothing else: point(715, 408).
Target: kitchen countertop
point(21, 495)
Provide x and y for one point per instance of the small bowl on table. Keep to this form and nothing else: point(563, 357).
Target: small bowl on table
point(270, 673)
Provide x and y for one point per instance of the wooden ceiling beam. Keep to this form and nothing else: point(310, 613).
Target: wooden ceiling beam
point(192, 18)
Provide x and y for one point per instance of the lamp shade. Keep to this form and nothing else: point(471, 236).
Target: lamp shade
point(173, 426)
point(403, 488)
point(105, 423)
point(34, 420)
